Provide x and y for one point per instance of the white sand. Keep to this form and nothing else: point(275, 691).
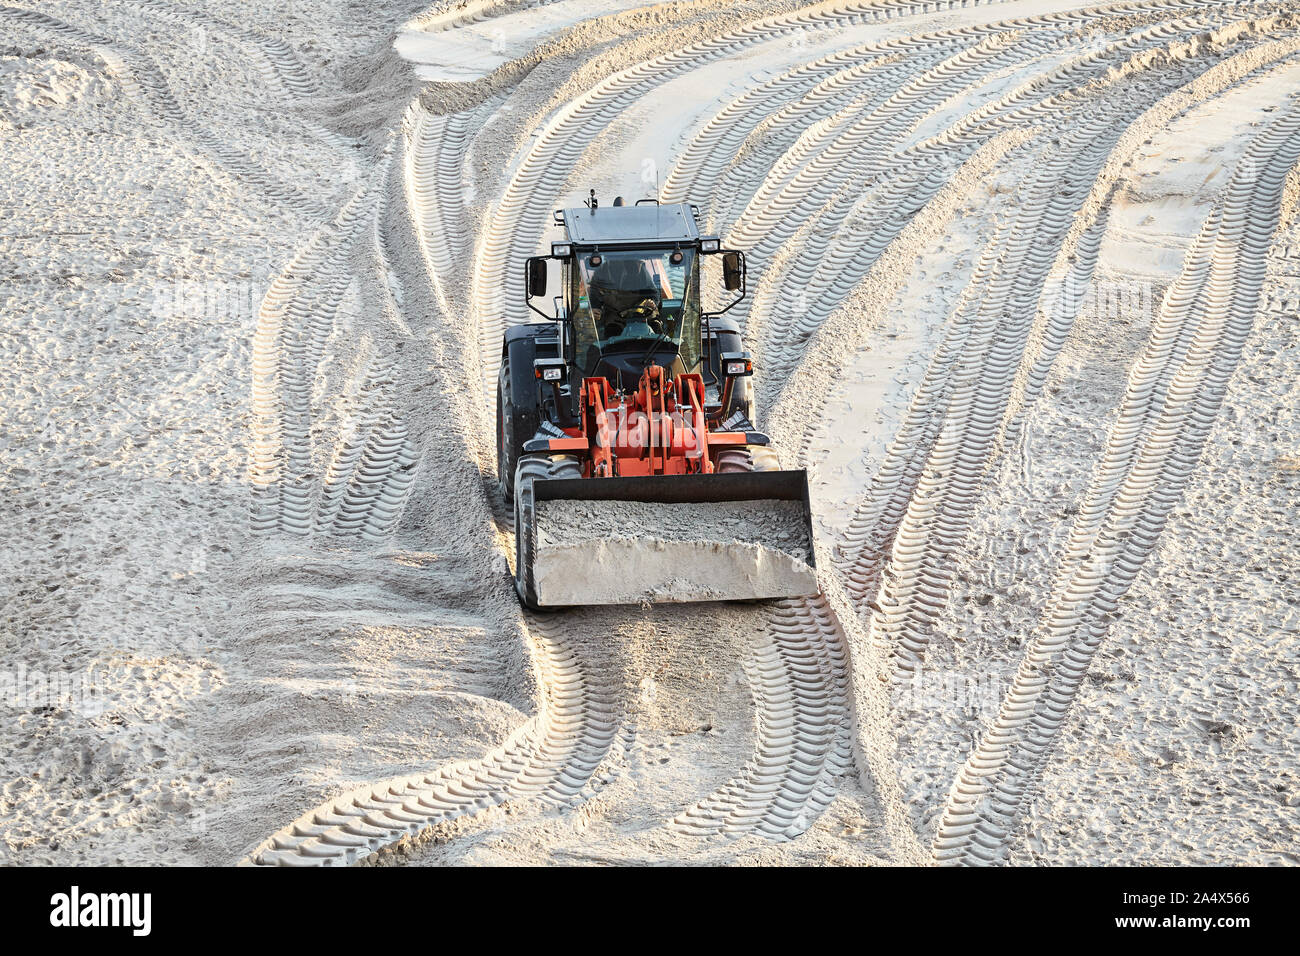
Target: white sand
point(256, 572)
point(629, 552)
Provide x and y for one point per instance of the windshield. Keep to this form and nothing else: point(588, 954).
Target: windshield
point(635, 301)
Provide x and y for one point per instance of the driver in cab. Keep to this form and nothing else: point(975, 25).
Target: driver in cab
point(625, 298)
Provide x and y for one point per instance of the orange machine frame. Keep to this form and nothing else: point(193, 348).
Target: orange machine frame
point(654, 430)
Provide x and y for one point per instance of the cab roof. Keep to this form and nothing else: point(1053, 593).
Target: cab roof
point(614, 225)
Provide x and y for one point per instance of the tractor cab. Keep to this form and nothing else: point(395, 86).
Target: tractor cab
point(632, 309)
point(631, 299)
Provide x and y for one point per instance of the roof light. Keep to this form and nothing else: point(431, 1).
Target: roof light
point(710, 244)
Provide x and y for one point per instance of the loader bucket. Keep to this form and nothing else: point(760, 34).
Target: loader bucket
point(672, 538)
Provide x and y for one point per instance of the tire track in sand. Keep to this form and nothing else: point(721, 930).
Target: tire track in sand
point(920, 504)
point(144, 80)
point(799, 683)
point(549, 761)
point(725, 804)
point(1174, 392)
point(294, 319)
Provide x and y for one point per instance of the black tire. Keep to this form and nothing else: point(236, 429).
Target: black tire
point(532, 467)
point(507, 447)
point(749, 458)
point(732, 460)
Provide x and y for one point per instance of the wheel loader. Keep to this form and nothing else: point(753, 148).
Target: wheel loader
point(625, 435)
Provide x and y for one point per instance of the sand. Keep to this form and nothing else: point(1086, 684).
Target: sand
point(629, 552)
point(1022, 290)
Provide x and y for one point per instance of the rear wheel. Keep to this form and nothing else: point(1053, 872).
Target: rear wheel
point(532, 467)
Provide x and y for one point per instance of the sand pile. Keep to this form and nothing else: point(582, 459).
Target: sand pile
point(626, 552)
point(29, 83)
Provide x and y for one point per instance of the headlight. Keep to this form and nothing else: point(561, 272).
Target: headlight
point(711, 244)
point(561, 250)
point(736, 363)
point(549, 369)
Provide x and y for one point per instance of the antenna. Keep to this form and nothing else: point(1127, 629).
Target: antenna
point(591, 203)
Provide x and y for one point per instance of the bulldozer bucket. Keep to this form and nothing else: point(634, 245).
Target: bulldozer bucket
point(672, 538)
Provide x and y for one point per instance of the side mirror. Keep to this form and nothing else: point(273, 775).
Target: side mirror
point(732, 271)
point(536, 277)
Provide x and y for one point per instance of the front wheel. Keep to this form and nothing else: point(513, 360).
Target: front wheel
point(532, 467)
point(507, 454)
point(748, 458)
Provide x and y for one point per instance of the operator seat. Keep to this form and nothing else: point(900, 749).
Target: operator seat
point(620, 284)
